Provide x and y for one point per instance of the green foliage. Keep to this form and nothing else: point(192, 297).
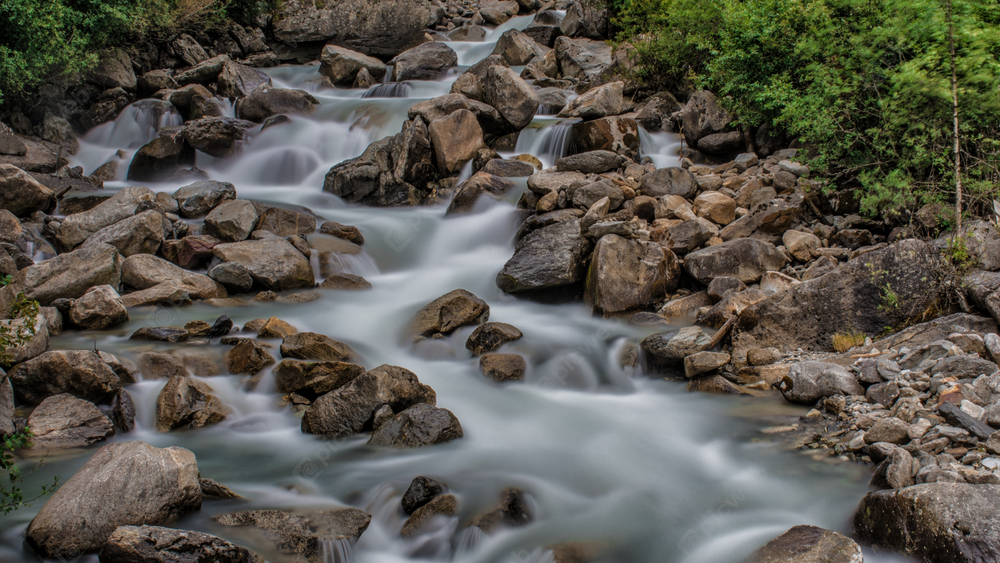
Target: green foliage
point(13, 335)
point(5, 280)
point(11, 495)
point(866, 84)
point(890, 299)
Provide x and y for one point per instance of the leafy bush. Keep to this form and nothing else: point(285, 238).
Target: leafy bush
point(13, 335)
point(865, 84)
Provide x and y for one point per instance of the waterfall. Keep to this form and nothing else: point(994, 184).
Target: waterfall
point(336, 550)
point(388, 90)
point(468, 540)
point(548, 144)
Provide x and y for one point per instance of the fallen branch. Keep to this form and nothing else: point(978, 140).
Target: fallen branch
point(721, 333)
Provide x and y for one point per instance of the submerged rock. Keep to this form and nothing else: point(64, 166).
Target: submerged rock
point(148, 544)
point(808, 544)
point(298, 533)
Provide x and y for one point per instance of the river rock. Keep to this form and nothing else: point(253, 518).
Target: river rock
point(552, 256)
point(628, 274)
point(154, 544)
point(80, 373)
point(161, 334)
point(503, 367)
point(349, 409)
point(617, 134)
point(348, 282)
point(197, 199)
point(510, 95)
point(771, 217)
point(704, 362)
point(160, 158)
point(703, 116)
point(299, 533)
point(142, 234)
point(35, 345)
point(315, 346)
point(67, 275)
point(248, 357)
point(444, 505)
point(419, 425)
point(888, 430)
point(342, 65)
point(592, 162)
point(160, 365)
point(469, 191)
point(232, 221)
point(423, 62)
point(237, 80)
point(517, 48)
point(273, 263)
point(599, 102)
point(125, 204)
point(421, 491)
point(220, 137)
point(498, 12)
point(186, 403)
point(312, 379)
point(63, 421)
point(100, 308)
point(286, 222)
point(508, 168)
point(583, 59)
point(801, 316)
point(265, 102)
point(513, 511)
point(672, 346)
point(685, 236)
point(715, 206)
point(6, 406)
point(21, 194)
point(149, 486)
point(669, 181)
point(450, 311)
point(808, 544)
point(456, 139)
point(808, 382)
point(489, 336)
point(192, 252)
point(933, 522)
point(743, 259)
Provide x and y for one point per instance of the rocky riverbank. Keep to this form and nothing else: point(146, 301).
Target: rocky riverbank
point(746, 278)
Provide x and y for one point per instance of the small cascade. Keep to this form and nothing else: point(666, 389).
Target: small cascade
point(468, 540)
point(336, 550)
point(388, 90)
point(137, 125)
point(547, 109)
point(548, 144)
point(465, 174)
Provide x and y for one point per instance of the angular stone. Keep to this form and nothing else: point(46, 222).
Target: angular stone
point(598, 102)
point(423, 62)
point(671, 347)
point(248, 357)
point(154, 544)
point(744, 259)
point(237, 80)
point(456, 140)
point(450, 311)
point(142, 234)
point(63, 421)
point(21, 194)
point(510, 95)
point(421, 491)
point(444, 505)
point(669, 181)
point(100, 308)
point(186, 403)
point(273, 263)
point(342, 65)
point(549, 257)
point(808, 544)
point(286, 222)
point(80, 373)
point(808, 382)
point(419, 425)
point(315, 346)
point(625, 275)
point(489, 336)
point(503, 367)
point(265, 102)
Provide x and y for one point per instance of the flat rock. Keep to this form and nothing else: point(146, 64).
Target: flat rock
point(149, 544)
point(273, 263)
point(63, 421)
point(298, 533)
point(503, 367)
point(489, 336)
point(808, 544)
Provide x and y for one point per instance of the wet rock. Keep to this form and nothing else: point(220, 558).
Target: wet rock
point(186, 403)
point(808, 382)
point(160, 158)
point(160, 281)
point(592, 162)
point(489, 336)
point(343, 65)
point(191, 252)
point(419, 425)
point(160, 334)
point(248, 357)
point(508, 168)
point(704, 362)
point(80, 373)
point(617, 134)
point(100, 308)
point(421, 491)
point(512, 512)
point(21, 194)
point(423, 62)
point(313, 379)
point(265, 102)
point(314, 346)
point(808, 544)
point(220, 137)
point(298, 534)
point(276, 328)
point(503, 367)
point(286, 222)
point(456, 139)
point(237, 80)
point(197, 199)
point(548, 257)
point(583, 59)
point(517, 48)
point(235, 277)
point(150, 486)
point(626, 274)
point(63, 421)
point(273, 263)
point(510, 95)
point(349, 409)
point(445, 505)
point(672, 346)
point(346, 282)
point(933, 522)
point(599, 102)
point(346, 232)
point(448, 312)
point(149, 544)
point(142, 234)
point(232, 221)
point(76, 228)
point(743, 259)
point(160, 365)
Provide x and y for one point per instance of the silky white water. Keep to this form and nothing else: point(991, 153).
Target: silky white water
point(633, 462)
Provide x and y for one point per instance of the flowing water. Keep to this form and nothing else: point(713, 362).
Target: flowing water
point(632, 462)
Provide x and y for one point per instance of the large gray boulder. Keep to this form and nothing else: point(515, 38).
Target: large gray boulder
point(232, 221)
point(808, 544)
point(81, 373)
point(669, 181)
point(744, 259)
point(552, 256)
point(419, 425)
point(342, 65)
point(808, 382)
point(671, 347)
point(599, 102)
point(273, 263)
point(953, 522)
point(583, 59)
point(237, 80)
point(63, 421)
point(625, 275)
point(618, 134)
point(21, 194)
point(160, 158)
point(514, 98)
point(76, 228)
point(66, 275)
point(586, 19)
point(220, 137)
point(155, 544)
point(423, 62)
point(123, 484)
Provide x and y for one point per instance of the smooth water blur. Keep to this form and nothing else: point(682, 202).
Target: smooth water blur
point(634, 463)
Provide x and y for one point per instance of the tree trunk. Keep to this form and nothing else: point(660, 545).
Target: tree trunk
point(954, 99)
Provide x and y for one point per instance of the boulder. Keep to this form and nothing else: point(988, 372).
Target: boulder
point(197, 199)
point(508, 168)
point(625, 275)
point(686, 236)
point(265, 102)
point(423, 62)
point(716, 207)
point(161, 334)
point(591, 162)
point(599, 102)
point(450, 311)
point(186, 403)
point(669, 181)
point(584, 19)
point(703, 116)
point(513, 511)
point(63, 421)
point(884, 288)
point(419, 425)
point(510, 95)
point(583, 59)
point(65, 276)
point(313, 379)
point(10, 143)
point(232, 221)
point(617, 134)
point(933, 522)
point(808, 544)
point(722, 143)
point(248, 357)
point(237, 80)
point(80, 373)
point(220, 137)
point(349, 409)
point(549, 257)
point(800, 245)
point(672, 346)
point(314, 346)
point(704, 362)
point(273, 263)
point(100, 308)
point(160, 365)
point(155, 544)
point(771, 217)
point(125, 204)
point(160, 281)
point(274, 327)
point(744, 259)
point(517, 49)
point(808, 382)
point(503, 367)
point(31, 344)
point(6, 406)
point(444, 505)
point(113, 71)
point(160, 158)
point(342, 65)
point(456, 139)
point(21, 194)
point(348, 282)
point(489, 336)
point(298, 533)
point(149, 486)
point(286, 222)
point(142, 234)
point(469, 191)
point(421, 491)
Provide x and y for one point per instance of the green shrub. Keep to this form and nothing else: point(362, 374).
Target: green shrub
point(11, 495)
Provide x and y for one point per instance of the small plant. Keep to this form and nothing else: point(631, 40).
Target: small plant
point(844, 341)
point(890, 299)
point(958, 256)
point(14, 334)
point(5, 280)
point(11, 495)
